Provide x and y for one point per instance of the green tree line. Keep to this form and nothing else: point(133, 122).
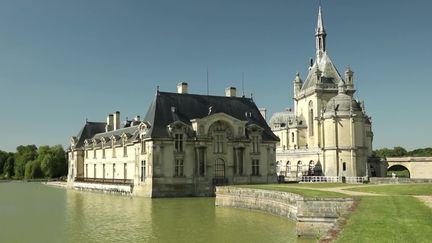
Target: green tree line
point(30, 162)
point(402, 152)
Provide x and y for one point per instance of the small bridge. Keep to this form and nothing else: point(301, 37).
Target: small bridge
point(418, 167)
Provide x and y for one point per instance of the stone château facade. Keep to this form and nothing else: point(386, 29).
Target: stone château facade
point(185, 145)
point(328, 132)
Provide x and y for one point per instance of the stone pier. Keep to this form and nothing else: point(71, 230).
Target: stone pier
point(313, 216)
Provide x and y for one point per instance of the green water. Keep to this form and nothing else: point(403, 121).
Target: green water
point(32, 212)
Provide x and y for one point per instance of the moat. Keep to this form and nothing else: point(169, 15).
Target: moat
point(33, 212)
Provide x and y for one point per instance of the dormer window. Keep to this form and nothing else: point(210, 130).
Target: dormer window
point(178, 142)
point(113, 148)
point(255, 144)
point(143, 146)
point(124, 148)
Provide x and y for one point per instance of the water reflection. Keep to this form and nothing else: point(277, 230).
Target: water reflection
point(37, 213)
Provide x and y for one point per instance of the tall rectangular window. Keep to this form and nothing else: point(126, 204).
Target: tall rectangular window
point(86, 153)
point(125, 150)
point(201, 161)
point(86, 172)
point(178, 142)
point(255, 144)
point(143, 146)
point(94, 171)
point(219, 143)
point(255, 167)
point(178, 167)
point(125, 170)
point(143, 170)
point(103, 153)
point(94, 153)
point(103, 171)
point(114, 170)
point(240, 161)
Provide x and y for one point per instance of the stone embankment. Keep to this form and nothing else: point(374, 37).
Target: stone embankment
point(106, 188)
point(313, 216)
point(397, 180)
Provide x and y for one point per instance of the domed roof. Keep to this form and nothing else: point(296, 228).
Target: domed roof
point(342, 103)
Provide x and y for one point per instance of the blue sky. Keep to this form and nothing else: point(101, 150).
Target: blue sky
point(64, 61)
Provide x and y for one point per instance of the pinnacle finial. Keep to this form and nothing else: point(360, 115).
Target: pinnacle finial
point(320, 34)
point(341, 87)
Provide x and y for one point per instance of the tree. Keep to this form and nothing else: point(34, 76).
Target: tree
point(33, 170)
point(3, 157)
point(24, 155)
point(53, 161)
point(395, 152)
point(8, 168)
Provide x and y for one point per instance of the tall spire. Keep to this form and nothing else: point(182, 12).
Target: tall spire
point(320, 35)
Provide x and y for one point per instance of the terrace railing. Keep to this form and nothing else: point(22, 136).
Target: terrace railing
point(104, 181)
point(334, 179)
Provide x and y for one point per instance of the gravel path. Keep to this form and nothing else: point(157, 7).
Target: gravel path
point(426, 199)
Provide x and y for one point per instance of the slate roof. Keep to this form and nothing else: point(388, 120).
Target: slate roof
point(88, 131)
point(167, 108)
point(330, 74)
point(133, 131)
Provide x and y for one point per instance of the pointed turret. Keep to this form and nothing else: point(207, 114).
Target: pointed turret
point(320, 35)
point(349, 78)
point(297, 84)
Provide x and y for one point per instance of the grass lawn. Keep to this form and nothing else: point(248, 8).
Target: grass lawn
point(407, 189)
point(389, 219)
point(290, 188)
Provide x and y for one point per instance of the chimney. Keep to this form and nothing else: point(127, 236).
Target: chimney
point(116, 124)
point(230, 92)
point(263, 112)
point(182, 88)
point(110, 121)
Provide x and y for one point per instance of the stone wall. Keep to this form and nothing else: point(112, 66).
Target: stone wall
point(278, 203)
point(397, 180)
point(107, 188)
point(314, 216)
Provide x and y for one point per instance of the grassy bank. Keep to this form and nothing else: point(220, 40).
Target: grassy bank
point(392, 216)
point(407, 189)
point(389, 219)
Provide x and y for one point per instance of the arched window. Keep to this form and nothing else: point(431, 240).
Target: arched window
point(288, 168)
point(310, 118)
point(299, 168)
point(311, 168)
